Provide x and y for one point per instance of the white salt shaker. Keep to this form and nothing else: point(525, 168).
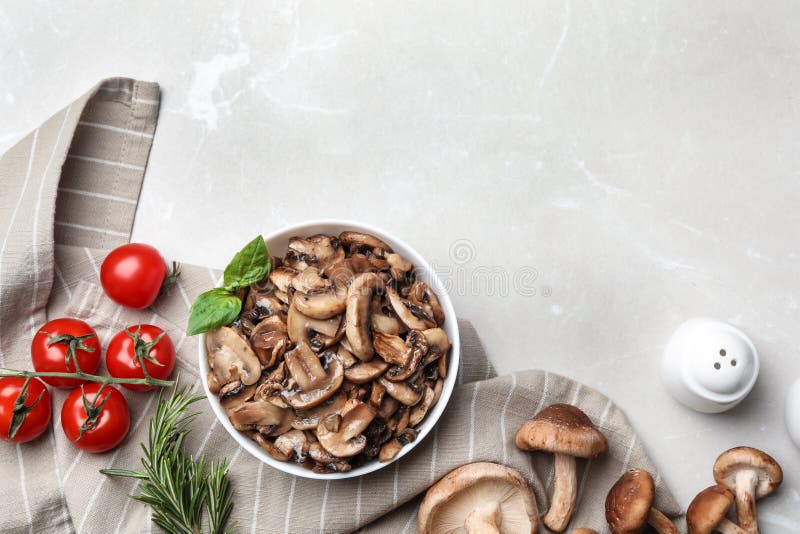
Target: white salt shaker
point(793, 412)
point(710, 366)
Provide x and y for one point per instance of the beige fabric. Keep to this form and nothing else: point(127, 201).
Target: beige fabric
point(29, 177)
point(49, 486)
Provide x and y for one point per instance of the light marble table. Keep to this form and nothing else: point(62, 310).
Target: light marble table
point(594, 174)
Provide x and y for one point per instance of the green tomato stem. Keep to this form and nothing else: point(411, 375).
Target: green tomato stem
point(80, 375)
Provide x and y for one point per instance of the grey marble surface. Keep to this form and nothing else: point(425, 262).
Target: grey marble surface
point(587, 175)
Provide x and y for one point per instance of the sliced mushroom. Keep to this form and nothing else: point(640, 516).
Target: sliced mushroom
point(320, 455)
point(376, 394)
point(293, 444)
point(283, 296)
point(251, 415)
point(340, 273)
point(322, 304)
point(389, 450)
point(402, 391)
point(389, 405)
point(419, 411)
point(349, 440)
point(281, 277)
point(231, 358)
point(383, 320)
point(416, 348)
point(399, 266)
point(360, 239)
point(269, 346)
point(275, 399)
point(413, 316)
point(309, 419)
point(273, 381)
point(316, 333)
point(441, 367)
point(269, 447)
point(315, 382)
point(272, 323)
point(337, 257)
point(295, 260)
point(314, 249)
point(437, 390)
point(423, 296)
point(392, 447)
point(438, 344)
point(213, 386)
point(364, 372)
point(262, 304)
point(347, 357)
point(235, 393)
point(392, 349)
point(361, 264)
point(357, 317)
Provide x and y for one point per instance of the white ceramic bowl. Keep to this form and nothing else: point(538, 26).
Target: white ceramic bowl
point(277, 243)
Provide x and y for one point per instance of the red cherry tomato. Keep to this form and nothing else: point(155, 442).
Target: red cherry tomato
point(132, 275)
point(52, 342)
point(111, 420)
point(136, 344)
point(36, 413)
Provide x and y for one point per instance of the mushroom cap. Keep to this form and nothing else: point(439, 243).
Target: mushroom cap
point(708, 509)
point(732, 461)
point(564, 429)
point(628, 502)
point(450, 501)
point(584, 531)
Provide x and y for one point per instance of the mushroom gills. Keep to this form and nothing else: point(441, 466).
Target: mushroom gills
point(483, 519)
point(751, 474)
point(479, 498)
point(513, 518)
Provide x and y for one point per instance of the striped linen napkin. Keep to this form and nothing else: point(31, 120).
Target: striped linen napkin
point(68, 193)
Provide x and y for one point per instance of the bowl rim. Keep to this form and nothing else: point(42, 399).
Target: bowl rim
point(431, 419)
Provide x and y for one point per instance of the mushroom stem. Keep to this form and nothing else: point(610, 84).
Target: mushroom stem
point(726, 526)
point(661, 523)
point(565, 490)
point(483, 519)
point(746, 481)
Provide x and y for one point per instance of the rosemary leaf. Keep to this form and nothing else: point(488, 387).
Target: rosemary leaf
point(176, 486)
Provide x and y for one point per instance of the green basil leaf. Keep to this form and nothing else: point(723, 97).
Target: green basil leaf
point(250, 265)
point(213, 309)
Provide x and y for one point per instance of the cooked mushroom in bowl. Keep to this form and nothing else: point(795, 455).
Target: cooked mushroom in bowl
point(339, 358)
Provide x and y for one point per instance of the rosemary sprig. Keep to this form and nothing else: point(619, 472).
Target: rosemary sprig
point(174, 485)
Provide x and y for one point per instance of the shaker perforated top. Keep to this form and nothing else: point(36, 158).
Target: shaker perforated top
point(710, 366)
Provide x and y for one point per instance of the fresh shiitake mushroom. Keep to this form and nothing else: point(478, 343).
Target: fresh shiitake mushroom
point(750, 474)
point(482, 497)
point(629, 505)
point(337, 356)
point(568, 433)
